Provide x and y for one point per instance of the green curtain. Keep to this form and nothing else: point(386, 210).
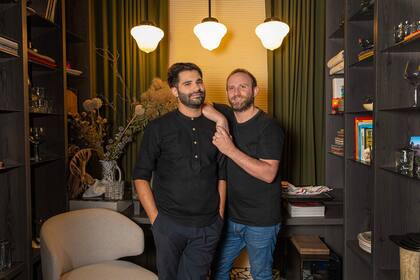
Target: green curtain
point(296, 88)
point(123, 72)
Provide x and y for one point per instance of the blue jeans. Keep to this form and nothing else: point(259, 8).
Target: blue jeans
point(260, 243)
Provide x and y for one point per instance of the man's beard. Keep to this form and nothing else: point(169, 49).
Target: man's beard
point(242, 106)
point(195, 103)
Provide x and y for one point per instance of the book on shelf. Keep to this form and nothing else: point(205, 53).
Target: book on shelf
point(337, 69)
point(338, 58)
point(306, 209)
point(74, 72)
point(8, 43)
point(363, 138)
point(365, 54)
point(337, 100)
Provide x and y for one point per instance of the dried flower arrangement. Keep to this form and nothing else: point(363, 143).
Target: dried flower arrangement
point(88, 129)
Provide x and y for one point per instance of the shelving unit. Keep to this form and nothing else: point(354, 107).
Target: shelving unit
point(376, 196)
point(396, 195)
point(28, 192)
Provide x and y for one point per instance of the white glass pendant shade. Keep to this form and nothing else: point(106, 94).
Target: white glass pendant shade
point(147, 36)
point(210, 33)
point(271, 33)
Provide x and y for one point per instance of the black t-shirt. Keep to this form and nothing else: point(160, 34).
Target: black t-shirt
point(252, 201)
point(186, 167)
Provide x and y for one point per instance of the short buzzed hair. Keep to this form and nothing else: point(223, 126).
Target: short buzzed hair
point(175, 69)
point(241, 70)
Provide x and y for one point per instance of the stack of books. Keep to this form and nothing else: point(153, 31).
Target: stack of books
point(306, 209)
point(365, 241)
point(336, 63)
point(338, 146)
point(42, 59)
point(8, 46)
point(365, 54)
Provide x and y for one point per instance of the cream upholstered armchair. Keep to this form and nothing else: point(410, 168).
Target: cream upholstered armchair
point(85, 244)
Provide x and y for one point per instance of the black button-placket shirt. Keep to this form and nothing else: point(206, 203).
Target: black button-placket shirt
point(186, 167)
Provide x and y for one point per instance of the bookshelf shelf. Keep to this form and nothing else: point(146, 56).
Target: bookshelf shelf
point(45, 159)
point(39, 114)
point(394, 171)
point(412, 45)
point(365, 63)
point(336, 155)
point(4, 54)
point(340, 114)
point(353, 245)
point(36, 66)
point(401, 109)
point(361, 112)
point(9, 166)
point(364, 163)
point(11, 273)
point(7, 111)
point(333, 216)
point(337, 75)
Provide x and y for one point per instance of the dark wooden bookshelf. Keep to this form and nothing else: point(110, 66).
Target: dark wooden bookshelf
point(28, 191)
point(336, 155)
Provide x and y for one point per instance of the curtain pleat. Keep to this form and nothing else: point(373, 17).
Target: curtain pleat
point(297, 88)
point(122, 76)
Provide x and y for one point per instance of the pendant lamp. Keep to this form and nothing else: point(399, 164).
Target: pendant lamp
point(272, 32)
point(147, 35)
point(210, 32)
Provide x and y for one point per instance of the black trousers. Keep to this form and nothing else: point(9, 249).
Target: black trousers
point(184, 253)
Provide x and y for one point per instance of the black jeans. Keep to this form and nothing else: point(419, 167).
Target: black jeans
point(184, 253)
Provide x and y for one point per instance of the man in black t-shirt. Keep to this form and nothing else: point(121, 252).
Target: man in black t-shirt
point(253, 182)
point(186, 206)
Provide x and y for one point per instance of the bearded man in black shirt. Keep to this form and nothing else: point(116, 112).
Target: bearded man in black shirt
point(186, 205)
point(253, 200)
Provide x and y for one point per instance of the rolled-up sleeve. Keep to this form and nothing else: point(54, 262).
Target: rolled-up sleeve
point(148, 155)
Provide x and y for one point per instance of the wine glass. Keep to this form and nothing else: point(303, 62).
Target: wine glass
point(36, 136)
point(412, 75)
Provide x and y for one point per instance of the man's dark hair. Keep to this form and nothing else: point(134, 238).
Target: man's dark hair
point(241, 70)
point(176, 68)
